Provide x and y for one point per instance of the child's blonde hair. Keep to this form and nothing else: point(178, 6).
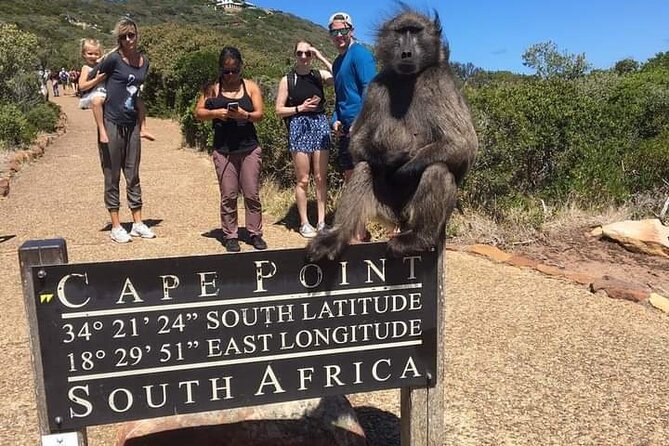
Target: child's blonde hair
point(91, 43)
point(95, 43)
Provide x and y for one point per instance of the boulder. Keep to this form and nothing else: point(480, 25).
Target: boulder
point(645, 236)
point(619, 289)
point(327, 421)
point(660, 302)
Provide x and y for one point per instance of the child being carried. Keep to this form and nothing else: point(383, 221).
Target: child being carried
point(93, 92)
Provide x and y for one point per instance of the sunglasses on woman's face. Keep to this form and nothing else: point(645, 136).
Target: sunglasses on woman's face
point(340, 32)
point(233, 71)
point(128, 36)
point(303, 53)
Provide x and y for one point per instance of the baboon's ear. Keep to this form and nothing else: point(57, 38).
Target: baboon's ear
point(437, 23)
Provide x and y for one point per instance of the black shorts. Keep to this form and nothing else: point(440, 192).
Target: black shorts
point(344, 158)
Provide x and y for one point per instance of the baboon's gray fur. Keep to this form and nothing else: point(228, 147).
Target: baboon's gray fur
point(413, 142)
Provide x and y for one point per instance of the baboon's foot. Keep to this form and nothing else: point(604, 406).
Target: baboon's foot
point(328, 244)
point(407, 243)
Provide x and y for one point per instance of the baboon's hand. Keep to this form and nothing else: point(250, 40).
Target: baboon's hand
point(409, 172)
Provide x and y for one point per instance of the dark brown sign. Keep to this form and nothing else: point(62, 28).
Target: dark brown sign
point(146, 338)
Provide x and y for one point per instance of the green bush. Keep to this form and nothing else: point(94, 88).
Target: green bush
point(25, 90)
point(15, 130)
point(192, 72)
point(273, 136)
point(647, 164)
point(44, 117)
point(18, 64)
point(197, 134)
point(596, 140)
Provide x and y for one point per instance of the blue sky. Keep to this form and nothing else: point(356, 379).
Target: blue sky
point(494, 34)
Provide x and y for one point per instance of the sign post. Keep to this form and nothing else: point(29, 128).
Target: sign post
point(129, 340)
point(32, 256)
point(422, 409)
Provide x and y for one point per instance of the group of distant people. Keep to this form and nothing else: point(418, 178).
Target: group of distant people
point(66, 79)
point(109, 85)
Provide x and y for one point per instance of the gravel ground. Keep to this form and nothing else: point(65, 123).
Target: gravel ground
point(530, 360)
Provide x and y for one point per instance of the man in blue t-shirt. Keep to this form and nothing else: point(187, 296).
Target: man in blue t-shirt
point(353, 69)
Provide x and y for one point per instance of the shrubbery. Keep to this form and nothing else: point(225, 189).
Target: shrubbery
point(15, 130)
point(567, 134)
point(44, 117)
point(23, 110)
point(596, 140)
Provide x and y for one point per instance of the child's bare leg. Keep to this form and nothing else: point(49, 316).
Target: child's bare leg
point(96, 107)
point(141, 112)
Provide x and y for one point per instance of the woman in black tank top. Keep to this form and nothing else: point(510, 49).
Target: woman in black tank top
point(300, 100)
point(233, 104)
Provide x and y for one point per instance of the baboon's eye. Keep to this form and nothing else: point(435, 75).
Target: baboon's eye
point(410, 29)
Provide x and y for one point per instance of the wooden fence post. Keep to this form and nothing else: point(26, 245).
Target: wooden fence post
point(36, 253)
point(422, 409)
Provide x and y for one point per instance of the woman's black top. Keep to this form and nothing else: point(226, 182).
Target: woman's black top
point(305, 86)
point(231, 136)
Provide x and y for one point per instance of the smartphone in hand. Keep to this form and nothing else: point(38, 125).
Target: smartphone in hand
point(233, 106)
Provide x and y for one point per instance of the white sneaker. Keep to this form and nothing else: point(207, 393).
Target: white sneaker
point(141, 230)
point(120, 235)
point(307, 231)
point(321, 226)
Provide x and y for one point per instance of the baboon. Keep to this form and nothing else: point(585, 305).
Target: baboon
point(413, 143)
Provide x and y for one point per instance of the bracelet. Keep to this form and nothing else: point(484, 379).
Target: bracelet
point(296, 110)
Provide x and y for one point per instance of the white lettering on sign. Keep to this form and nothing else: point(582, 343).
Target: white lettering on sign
point(74, 395)
point(170, 282)
point(60, 291)
point(262, 274)
point(156, 340)
point(303, 275)
point(269, 378)
point(156, 396)
point(129, 290)
point(207, 281)
point(309, 277)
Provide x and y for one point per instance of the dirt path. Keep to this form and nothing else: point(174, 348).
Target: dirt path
point(531, 360)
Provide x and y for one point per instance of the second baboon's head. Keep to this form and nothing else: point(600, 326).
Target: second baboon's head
point(409, 43)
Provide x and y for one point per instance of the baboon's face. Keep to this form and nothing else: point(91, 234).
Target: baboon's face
point(408, 44)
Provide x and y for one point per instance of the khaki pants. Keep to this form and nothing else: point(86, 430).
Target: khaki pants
point(122, 153)
point(235, 172)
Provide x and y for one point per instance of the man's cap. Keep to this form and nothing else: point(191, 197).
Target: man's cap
point(340, 16)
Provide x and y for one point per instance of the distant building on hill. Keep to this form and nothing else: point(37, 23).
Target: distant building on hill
point(232, 5)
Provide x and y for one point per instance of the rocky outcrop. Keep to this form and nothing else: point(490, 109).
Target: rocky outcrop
point(613, 287)
point(645, 236)
point(327, 421)
point(620, 289)
point(660, 302)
